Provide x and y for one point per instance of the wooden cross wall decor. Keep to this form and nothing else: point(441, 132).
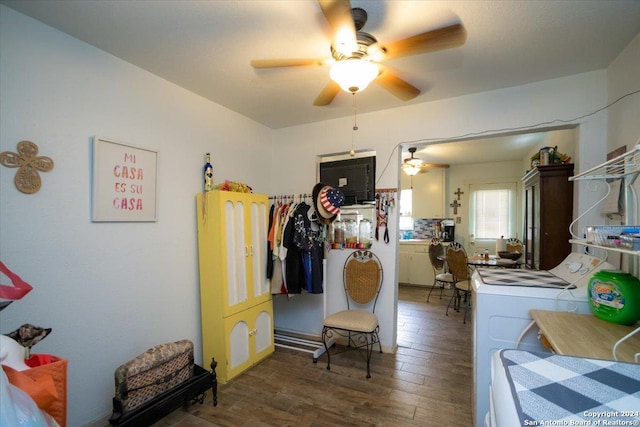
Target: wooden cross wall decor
point(458, 193)
point(28, 162)
point(455, 205)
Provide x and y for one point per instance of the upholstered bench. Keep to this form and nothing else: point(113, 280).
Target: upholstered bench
point(159, 381)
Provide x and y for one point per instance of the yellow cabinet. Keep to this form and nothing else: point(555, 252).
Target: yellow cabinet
point(235, 297)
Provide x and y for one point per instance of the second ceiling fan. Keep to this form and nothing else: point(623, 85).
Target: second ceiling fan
point(357, 55)
point(413, 165)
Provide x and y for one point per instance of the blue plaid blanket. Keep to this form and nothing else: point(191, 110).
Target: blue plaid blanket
point(554, 390)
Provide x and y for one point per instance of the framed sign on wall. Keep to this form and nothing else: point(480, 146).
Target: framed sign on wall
point(124, 182)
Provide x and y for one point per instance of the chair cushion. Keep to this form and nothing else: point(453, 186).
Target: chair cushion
point(352, 320)
point(444, 277)
point(464, 285)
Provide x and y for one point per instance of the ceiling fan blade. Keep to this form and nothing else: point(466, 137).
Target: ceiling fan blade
point(394, 84)
point(328, 94)
point(340, 19)
point(295, 62)
point(431, 41)
point(433, 165)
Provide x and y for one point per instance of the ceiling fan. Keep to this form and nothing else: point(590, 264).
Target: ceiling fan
point(357, 55)
point(413, 166)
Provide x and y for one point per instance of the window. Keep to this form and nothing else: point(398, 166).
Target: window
point(406, 202)
point(492, 210)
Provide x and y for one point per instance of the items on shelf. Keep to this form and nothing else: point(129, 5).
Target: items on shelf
point(238, 187)
point(615, 236)
point(208, 173)
point(549, 156)
point(335, 245)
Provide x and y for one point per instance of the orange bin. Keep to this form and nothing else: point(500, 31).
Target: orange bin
point(45, 373)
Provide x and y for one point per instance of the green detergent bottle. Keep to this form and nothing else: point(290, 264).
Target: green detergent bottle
point(615, 296)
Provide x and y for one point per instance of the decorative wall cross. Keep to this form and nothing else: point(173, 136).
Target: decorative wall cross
point(28, 163)
point(458, 193)
point(455, 205)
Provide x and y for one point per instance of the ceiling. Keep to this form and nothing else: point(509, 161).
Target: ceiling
point(206, 46)
point(486, 150)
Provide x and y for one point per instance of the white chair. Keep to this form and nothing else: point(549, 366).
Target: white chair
point(362, 279)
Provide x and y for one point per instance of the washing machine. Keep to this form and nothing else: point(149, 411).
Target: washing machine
point(501, 314)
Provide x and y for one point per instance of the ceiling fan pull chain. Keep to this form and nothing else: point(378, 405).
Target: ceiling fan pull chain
point(355, 113)
point(355, 126)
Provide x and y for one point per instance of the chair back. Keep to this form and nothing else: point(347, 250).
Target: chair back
point(514, 245)
point(435, 250)
point(457, 262)
point(362, 278)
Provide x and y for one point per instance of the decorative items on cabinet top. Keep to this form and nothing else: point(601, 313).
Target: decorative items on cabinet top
point(549, 156)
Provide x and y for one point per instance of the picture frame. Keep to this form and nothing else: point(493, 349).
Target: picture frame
point(125, 178)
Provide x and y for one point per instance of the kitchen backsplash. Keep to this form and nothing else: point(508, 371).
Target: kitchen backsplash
point(424, 228)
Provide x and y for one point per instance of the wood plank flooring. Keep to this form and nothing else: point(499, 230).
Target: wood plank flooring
point(428, 382)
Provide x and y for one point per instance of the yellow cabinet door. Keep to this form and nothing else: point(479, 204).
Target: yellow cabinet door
point(232, 239)
point(250, 339)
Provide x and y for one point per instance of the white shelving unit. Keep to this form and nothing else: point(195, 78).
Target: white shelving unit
point(627, 168)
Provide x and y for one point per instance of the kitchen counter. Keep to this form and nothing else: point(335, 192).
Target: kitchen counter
point(420, 242)
point(415, 241)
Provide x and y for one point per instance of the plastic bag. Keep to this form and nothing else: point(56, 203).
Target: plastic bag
point(18, 409)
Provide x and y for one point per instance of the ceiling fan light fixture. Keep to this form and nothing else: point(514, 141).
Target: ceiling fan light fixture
point(353, 75)
point(345, 43)
point(410, 169)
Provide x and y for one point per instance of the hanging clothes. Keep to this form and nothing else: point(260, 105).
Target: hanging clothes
point(296, 247)
point(277, 275)
point(303, 253)
point(269, 249)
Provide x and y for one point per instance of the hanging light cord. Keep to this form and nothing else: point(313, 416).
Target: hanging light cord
point(355, 126)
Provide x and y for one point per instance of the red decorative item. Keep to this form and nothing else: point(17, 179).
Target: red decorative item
point(19, 289)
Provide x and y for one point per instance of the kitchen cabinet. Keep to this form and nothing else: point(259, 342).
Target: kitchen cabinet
point(235, 296)
point(415, 265)
point(428, 193)
point(548, 215)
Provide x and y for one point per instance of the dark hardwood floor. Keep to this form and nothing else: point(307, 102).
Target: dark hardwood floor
point(428, 382)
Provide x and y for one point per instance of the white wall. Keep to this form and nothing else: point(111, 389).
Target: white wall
point(623, 127)
point(624, 117)
point(109, 290)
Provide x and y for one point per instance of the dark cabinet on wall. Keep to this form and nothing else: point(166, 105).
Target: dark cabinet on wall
point(548, 215)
